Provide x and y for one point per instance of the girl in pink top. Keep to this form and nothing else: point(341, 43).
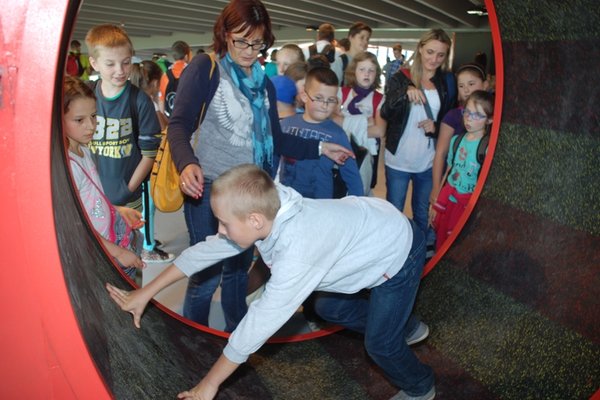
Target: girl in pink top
point(116, 225)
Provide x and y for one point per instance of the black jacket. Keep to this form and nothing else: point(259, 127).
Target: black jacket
point(396, 108)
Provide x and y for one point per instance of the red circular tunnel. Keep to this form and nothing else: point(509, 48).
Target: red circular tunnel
point(56, 336)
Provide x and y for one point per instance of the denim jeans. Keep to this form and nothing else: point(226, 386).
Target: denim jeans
point(397, 185)
point(232, 273)
point(384, 318)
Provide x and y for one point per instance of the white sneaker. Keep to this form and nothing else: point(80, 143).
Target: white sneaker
point(156, 256)
point(419, 334)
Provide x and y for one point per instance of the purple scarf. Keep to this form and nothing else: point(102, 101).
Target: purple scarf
point(361, 93)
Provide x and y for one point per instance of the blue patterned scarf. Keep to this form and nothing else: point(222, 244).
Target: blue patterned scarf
point(254, 88)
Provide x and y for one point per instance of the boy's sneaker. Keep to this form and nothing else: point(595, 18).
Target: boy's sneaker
point(156, 256)
point(401, 395)
point(418, 335)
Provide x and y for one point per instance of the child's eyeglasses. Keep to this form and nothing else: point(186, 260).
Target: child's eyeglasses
point(475, 116)
point(321, 100)
point(242, 44)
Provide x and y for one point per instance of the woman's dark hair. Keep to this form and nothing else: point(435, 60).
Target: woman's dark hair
point(75, 88)
point(238, 16)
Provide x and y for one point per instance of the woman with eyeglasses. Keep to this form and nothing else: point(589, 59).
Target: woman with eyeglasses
point(239, 125)
point(414, 107)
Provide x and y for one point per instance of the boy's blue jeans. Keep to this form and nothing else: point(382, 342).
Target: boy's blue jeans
point(383, 318)
point(396, 183)
point(232, 273)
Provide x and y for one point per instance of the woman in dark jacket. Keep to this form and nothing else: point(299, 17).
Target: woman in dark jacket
point(414, 108)
point(240, 126)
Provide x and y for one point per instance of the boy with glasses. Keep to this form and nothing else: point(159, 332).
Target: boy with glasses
point(314, 178)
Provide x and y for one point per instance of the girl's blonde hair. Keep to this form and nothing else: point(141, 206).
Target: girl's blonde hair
point(350, 74)
point(416, 70)
point(247, 189)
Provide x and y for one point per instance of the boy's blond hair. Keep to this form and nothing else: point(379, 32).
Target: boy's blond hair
point(248, 189)
point(107, 36)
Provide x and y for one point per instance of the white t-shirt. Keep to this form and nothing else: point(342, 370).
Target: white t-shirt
point(415, 151)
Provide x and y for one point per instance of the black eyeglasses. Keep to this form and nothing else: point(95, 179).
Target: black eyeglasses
point(242, 44)
point(321, 100)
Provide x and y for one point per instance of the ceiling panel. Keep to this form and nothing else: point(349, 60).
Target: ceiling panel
point(154, 25)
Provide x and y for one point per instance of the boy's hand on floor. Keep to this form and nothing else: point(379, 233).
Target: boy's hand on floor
point(133, 302)
point(202, 391)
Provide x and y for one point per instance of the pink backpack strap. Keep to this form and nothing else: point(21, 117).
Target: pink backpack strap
point(112, 236)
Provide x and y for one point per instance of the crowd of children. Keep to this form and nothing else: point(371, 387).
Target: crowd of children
point(273, 183)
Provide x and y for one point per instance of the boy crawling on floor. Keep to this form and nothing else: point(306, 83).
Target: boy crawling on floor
point(337, 247)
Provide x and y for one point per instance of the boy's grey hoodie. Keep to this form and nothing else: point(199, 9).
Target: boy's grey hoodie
point(340, 246)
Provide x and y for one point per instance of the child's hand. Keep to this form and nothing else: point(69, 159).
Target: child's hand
point(202, 391)
point(415, 95)
point(133, 302)
point(339, 154)
point(129, 259)
point(131, 216)
point(432, 215)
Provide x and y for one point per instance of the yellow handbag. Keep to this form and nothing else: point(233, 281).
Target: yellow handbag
point(164, 178)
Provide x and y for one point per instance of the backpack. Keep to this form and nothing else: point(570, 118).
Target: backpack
point(170, 92)
point(344, 58)
point(74, 67)
point(328, 51)
point(481, 149)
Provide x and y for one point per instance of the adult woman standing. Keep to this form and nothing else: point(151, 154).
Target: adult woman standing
point(412, 128)
point(240, 126)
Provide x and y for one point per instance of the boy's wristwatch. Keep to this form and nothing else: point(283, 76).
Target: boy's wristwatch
point(320, 148)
